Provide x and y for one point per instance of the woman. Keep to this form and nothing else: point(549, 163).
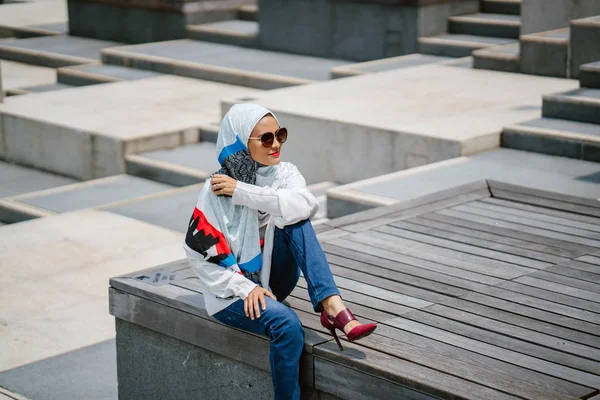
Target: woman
point(250, 236)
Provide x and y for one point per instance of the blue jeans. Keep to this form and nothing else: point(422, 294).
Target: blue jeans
point(295, 249)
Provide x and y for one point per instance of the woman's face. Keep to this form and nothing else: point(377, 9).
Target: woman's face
point(259, 153)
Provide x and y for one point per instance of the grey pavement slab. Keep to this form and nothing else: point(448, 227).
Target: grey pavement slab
point(17, 75)
point(30, 13)
point(169, 210)
point(99, 125)
point(66, 296)
point(57, 27)
point(537, 171)
point(44, 88)
point(80, 75)
point(92, 193)
point(54, 51)
point(386, 64)
point(88, 373)
point(16, 180)
point(346, 130)
point(198, 59)
point(201, 156)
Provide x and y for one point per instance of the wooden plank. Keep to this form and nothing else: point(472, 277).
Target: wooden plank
point(559, 288)
point(496, 186)
point(545, 305)
point(401, 372)
point(593, 277)
point(505, 256)
point(498, 269)
point(332, 234)
point(348, 383)
point(491, 364)
point(551, 296)
point(590, 260)
point(545, 202)
point(534, 213)
point(476, 238)
point(437, 284)
point(478, 374)
point(540, 243)
point(373, 303)
point(426, 208)
point(552, 356)
point(377, 292)
point(541, 235)
point(581, 265)
point(542, 315)
point(541, 210)
point(399, 272)
point(537, 325)
point(503, 328)
point(565, 280)
point(512, 357)
point(378, 212)
point(367, 253)
point(576, 235)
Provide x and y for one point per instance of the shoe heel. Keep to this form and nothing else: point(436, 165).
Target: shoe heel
point(337, 340)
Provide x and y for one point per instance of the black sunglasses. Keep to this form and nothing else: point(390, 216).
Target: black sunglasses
point(267, 138)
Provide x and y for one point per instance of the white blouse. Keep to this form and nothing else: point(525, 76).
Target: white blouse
point(287, 205)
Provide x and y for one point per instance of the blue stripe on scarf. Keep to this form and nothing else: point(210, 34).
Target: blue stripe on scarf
point(228, 262)
point(253, 265)
point(231, 149)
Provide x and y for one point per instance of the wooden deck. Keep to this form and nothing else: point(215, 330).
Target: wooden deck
point(484, 291)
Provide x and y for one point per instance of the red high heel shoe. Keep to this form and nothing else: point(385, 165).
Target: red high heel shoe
point(340, 320)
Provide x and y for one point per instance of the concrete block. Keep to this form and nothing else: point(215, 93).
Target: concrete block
point(17, 75)
point(1, 94)
point(546, 53)
point(16, 179)
point(234, 32)
point(22, 17)
point(581, 105)
point(248, 12)
point(95, 127)
point(483, 24)
point(386, 64)
point(458, 45)
point(92, 74)
point(132, 23)
point(585, 42)
point(357, 31)
point(367, 135)
point(223, 63)
point(545, 15)
point(53, 51)
point(589, 75)
point(500, 58)
point(512, 7)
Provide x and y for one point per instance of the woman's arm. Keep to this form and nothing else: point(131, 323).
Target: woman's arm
point(292, 204)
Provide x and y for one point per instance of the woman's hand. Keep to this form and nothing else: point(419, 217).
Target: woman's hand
point(223, 185)
point(251, 303)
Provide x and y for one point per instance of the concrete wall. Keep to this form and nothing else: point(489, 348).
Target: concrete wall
point(357, 31)
point(1, 91)
point(545, 15)
point(585, 43)
point(110, 20)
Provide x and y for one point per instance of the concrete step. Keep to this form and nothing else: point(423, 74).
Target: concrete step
point(512, 7)
point(499, 58)
point(248, 12)
point(457, 45)
point(54, 51)
point(537, 171)
point(484, 24)
point(581, 105)
point(234, 32)
point(557, 137)
point(179, 166)
point(223, 63)
point(37, 89)
point(585, 36)
point(17, 179)
point(319, 190)
point(37, 30)
point(589, 75)
point(386, 64)
point(77, 196)
point(93, 74)
point(546, 53)
point(17, 75)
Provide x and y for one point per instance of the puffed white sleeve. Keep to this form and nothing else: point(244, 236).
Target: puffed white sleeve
point(221, 281)
point(288, 205)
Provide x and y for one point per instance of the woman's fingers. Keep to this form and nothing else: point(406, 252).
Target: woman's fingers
point(271, 295)
point(257, 306)
point(246, 302)
point(263, 302)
